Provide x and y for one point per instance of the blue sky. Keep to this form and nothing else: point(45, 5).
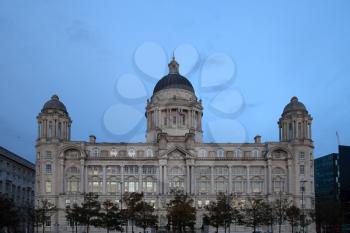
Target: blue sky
point(80, 49)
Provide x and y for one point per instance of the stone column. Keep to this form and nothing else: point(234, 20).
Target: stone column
point(188, 179)
point(140, 179)
point(86, 179)
point(104, 179)
point(165, 180)
point(160, 183)
point(193, 176)
point(230, 179)
point(266, 180)
point(62, 175)
point(212, 180)
point(269, 172)
point(122, 177)
point(248, 180)
point(82, 180)
point(289, 176)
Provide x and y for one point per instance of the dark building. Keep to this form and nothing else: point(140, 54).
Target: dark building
point(332, 191)
point(327, 185)
point(344, 169)
point(17, 180)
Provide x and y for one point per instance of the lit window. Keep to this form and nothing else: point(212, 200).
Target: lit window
point(203, 185)
point(73, 185)
point(257, 186)
point(207, 202)
point(200, 203)
point(67, 202)
point(132, 185)
point(131, 152)
point(48, 186)
point(48, 168)
point(112, 186)
point(149, 185)
point(220, 153)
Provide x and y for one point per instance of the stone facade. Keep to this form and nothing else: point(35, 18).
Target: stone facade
point(173, 157)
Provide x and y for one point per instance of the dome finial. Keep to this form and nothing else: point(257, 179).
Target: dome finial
point(173, 66)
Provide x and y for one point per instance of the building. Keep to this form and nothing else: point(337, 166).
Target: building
point(327, 183)
point(17, 177)
point(332, 186)
point(173, 157)
point(17, 181)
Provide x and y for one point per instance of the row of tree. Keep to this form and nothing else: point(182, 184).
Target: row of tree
point(109, 216)
point(181, 214)
point(15, 218)
point(255, 213)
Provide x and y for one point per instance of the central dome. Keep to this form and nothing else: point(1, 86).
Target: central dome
point(173, 80)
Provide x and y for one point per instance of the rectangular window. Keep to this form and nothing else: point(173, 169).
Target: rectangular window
point(302, 169)
point(301, 156)
point(48, 168)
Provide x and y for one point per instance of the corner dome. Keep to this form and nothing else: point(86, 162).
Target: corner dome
point(173, 80)
point(294, 105)
point(55, 104)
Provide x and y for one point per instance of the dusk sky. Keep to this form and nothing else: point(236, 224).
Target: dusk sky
point(245, 59)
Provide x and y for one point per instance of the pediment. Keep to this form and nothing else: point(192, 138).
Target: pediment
point(177, 153)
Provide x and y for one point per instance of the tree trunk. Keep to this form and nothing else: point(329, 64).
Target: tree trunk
point(44, 227)
point(107, 230)
point(144, 230)
point(279, 228)
point(87, 228)
point(292, 228)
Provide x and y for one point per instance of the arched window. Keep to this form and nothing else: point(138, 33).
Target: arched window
point(220, 153)
point(113, 185)
point(255, 154)
point(176, 183)
point(131, 152)
point(149, 153)
point(202, 153)
point(131, 184)
point(73, 184)
point(278, 184)
point(239, 185)
point(59, 128)
point(114, 152)
point(95, 185)
point(96, 152)
point(221, 185)
point(257, 185)
point(203, 184)
point(49, 133)
point(149, 185)
point(238, 153)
